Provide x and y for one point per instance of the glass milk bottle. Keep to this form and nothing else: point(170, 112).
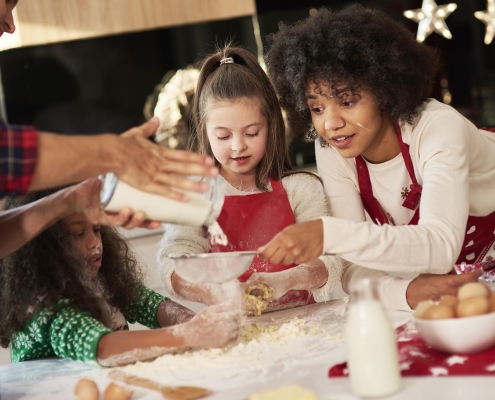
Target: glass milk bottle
point(201, 210)
point(373, 361)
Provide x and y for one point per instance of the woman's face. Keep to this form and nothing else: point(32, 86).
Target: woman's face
point(86, 241)
point(352, 122)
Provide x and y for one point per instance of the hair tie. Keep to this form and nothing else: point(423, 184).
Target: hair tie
point(228, 60)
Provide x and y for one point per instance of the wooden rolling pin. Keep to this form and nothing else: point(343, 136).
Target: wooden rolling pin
point(170, 392)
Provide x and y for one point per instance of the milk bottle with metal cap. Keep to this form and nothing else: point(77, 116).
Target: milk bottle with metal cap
point(370, 341)
point(200, 210)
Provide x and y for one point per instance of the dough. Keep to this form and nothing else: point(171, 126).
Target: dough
point(257, 303)
point(291, 392)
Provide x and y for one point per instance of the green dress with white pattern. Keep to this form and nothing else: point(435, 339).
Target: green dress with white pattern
point(65, 332)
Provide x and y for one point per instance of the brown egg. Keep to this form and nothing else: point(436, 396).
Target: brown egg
point(492, 301)
point(473, 289)
point(86, 389)
point(421, 308)
point(473, 306)
point(449, 300)
point(440, 311)
point(116, 392)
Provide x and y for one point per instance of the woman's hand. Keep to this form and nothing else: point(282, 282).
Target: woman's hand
point(432, 287)
point(300, 243)
point(215, 326)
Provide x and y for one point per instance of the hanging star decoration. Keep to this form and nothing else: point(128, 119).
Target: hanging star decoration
point(488, 17)
point(431, 18)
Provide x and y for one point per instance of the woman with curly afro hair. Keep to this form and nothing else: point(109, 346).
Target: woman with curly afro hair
point(71, 290)
point(410, 180)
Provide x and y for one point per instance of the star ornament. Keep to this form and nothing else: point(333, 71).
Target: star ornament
point(431, 18)
point(488, 17)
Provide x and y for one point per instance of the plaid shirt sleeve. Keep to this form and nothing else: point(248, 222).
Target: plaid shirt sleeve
point(18, 156)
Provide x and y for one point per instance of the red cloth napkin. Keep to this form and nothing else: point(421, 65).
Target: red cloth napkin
point(417, 358)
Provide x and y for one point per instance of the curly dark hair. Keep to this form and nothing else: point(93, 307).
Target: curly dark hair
point(47, 265)
point(360, 47)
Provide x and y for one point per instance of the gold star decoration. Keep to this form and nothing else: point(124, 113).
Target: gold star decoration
point(431, 18)
point(405, 192)
point(488, 17)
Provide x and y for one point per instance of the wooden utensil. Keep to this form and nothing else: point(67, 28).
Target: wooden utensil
point(170, 392)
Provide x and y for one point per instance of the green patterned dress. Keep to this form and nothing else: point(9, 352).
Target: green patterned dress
point(65, 332)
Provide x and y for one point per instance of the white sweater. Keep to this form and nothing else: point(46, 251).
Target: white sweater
point(453, 161)
point(308, 202)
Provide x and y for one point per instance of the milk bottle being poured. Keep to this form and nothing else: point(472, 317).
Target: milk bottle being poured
point(200, 210)
point(373, 360)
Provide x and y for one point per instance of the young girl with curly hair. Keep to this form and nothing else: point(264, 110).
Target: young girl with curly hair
point(239, 122)
point(71, 290)
point(409, 179)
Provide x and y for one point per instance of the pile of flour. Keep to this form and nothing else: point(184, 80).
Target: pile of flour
point(261, 351)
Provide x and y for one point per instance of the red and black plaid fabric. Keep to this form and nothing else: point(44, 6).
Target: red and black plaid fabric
point(18, 155)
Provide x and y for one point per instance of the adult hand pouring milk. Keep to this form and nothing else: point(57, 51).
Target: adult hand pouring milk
point(373, 360)
point(200, 210)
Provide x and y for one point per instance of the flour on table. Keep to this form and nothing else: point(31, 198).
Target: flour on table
point(261, 351)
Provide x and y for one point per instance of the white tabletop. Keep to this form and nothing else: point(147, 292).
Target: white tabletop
point(55, 378)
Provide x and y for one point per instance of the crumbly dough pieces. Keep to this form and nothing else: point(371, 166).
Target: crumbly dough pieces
point(257, 303)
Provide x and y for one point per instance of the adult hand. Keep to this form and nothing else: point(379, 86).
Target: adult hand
point(300, 243)
point(215, 326)
point(432, 287)
point(84, 198)
point(157, 169)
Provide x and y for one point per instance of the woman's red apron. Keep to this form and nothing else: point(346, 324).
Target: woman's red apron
point(250, 222)
point(480, 231)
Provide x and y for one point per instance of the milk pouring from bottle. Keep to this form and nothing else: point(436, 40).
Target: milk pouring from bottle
point(200, 210)
point(373, 360)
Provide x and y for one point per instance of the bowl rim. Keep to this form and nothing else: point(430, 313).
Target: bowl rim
point(454, 320)
point(209, 255)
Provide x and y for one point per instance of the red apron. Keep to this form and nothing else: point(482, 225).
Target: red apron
point(250, 222)
point(480, 231)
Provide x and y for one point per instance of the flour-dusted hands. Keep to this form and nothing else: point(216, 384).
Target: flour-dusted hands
point(84, 198)
point(215, 326)
point(157, 169)
point(279, 283)
point(300, 243)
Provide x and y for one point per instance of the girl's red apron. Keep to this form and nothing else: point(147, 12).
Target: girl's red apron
point(480, 231)
point(250, 222)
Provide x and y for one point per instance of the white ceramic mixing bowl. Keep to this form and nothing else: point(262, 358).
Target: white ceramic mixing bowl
point(459, 335)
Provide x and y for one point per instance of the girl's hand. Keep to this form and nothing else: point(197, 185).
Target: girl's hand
point(279, 282)
point(300, 243)
point(215, 326)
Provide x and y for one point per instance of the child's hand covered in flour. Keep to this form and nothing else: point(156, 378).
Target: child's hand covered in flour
point(279, 282)
point(215, 326)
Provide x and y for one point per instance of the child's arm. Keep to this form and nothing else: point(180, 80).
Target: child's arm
point(213, 327)
point(185, 240)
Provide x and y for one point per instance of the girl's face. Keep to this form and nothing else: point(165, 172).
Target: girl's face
point(352, 123)
point(86, 241)
point(237, 132)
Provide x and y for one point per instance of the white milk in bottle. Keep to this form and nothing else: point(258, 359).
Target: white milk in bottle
point(373, 361)
point(200, 210)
